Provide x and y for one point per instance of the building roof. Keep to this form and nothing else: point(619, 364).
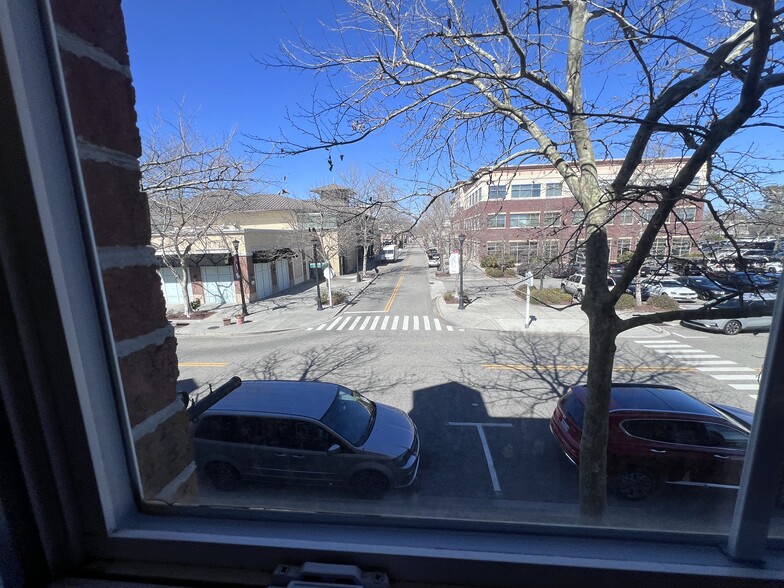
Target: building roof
point(259, 202)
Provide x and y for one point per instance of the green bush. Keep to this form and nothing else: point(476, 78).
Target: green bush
point(508, 261)
point(494, 272)
point(510, 271)
point(554, 296)
point(449, 295)
point(625, 302)
point(663, 302)
point(338, 297)
point(489, 261)
point(195, 303)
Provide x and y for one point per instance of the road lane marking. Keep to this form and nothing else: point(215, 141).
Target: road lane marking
point(201, 364)
point(394, 323)
point(524, 367)
point(375, 322)
point(397, 287)
point(709, 362)
point(344, 323)
point(449, 328)
point(354, 324)
point(362, 311)
point(745, 386)
point(480, 427)
point(427, 323)
point(405, 323)
point(695, 355)
point(739, 368)
point(437, 324)
point(657, 341)
point(416, 323)
point(688, 336)
point(364, 323)
point(725, 377)
point(321, 327)
point(754, 396)
point(384, 323)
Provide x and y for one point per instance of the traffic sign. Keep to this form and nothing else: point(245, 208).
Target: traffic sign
point(320, 264)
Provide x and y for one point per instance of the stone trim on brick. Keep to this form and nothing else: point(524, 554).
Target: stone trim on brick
point(151, 423)
point(156, 337)
point(117, 257)
point(81, 48)
point(90, 152)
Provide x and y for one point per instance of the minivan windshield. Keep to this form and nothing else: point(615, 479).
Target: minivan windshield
point(351, 416)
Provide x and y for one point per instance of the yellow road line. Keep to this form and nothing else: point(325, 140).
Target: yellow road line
point(523, 367)
point(397, 287)
point(201, 364)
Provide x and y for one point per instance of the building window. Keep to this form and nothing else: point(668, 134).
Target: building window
point(626, 216)
point(553, 189)
point(611, 212)
point(552, 219)
point(523, 251)
point(551, 249)
point(624, 245)
point(646, 214)
point(659, 246)
point(681, 246)
point(578, 217)
point(526, 190)
point(474, 197)
point(496, 221)
point(687, 215)
point(524, 219)
point(496, 192)
point(495, 247)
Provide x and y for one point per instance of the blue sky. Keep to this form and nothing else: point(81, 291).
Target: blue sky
point(204, 53)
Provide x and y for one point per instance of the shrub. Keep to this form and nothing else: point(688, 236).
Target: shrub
point(663, 303)
point(625, 302)
point(494, 272)
point(449, 295)
point(489, 261)
point(510, 271)
point(552, 296)
point(338, 297)
point(195, 303)
point(508, 261)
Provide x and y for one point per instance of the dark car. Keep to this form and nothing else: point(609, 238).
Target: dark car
point(645, 291)
point(705, 288)
point(659, 435)
point(616, 269)
point(749, 281)
point(312, 432)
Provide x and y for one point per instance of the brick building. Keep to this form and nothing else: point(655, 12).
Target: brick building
point(528, 212)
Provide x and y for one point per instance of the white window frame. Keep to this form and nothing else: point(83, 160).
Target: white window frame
point(99, 513)
point(494, 218)
point(547, 189)
point(496, 188)
point(534, 190)
point(534, 216)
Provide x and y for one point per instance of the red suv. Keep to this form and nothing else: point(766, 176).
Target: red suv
point(660, 434)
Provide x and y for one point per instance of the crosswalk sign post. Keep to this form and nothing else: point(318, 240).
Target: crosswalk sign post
point(529, 281)
point(329, 273)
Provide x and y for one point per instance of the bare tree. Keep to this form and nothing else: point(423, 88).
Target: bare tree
point(565, 83)
point(191, 183)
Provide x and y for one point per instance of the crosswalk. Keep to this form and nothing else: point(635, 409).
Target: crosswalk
point(736, 376)
point(384, 322)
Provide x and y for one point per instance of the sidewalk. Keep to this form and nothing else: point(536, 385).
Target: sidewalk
point(495, 306)
point(293, 309)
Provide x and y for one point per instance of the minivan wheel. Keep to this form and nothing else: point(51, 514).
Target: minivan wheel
point(732, 328)
point(635, 484)
point(563, 288)
point(222, 475)
point(578, 296)
point(369, 484)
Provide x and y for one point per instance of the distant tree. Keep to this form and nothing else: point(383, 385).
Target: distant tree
point(191, 183)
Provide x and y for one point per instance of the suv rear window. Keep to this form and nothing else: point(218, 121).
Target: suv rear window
point(574, 408)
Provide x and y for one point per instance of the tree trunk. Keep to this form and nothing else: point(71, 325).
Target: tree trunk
point(364, 260)
point(185, 296)
point(637, 291)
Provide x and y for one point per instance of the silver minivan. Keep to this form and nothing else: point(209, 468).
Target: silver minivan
point(733, 326)
point(312, 432)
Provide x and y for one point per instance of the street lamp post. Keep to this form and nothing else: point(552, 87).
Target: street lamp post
point(315, 263)
point(236, 244)
point(461, 239)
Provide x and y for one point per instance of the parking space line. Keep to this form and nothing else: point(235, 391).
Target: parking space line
point(480, 427)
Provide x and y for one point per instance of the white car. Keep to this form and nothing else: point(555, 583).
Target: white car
point(671, 288)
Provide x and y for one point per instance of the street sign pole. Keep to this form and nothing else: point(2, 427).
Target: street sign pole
point(529, 281)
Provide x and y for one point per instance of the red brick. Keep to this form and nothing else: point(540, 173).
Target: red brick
point(135, 298)
point(99, 22)
point(164, 454)
point(119, 210)
point(149, 379)
point(102, 104)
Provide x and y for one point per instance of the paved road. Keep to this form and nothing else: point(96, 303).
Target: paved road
point(480, 399)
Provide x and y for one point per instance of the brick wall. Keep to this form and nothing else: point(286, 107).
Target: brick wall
point(94, 56)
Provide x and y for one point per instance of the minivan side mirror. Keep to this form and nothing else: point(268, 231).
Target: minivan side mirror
point(334, 449)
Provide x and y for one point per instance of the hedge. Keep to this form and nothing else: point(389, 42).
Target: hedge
point(494, 272)
point(625, 302)
point(663, 302)
point(552, 296)
point(338, 297)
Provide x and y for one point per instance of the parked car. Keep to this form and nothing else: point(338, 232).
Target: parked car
point(659, 435)
point(749, 281)
point(672, 288)
point(645, 291)
point(575, 285)
point(733, 326)
point(311, 432)
point(434, 261)
point(616, 269)
point(705, 288)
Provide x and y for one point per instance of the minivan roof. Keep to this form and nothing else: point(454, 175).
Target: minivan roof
point(306, 399)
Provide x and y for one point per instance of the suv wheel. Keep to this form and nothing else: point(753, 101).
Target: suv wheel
point(369, 484)
point(635, 484)
point(732, 328)
point(563, 288)
point(578, 296)
point(222, 475)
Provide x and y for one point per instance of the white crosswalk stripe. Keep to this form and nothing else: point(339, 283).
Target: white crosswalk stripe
point(386, 323)
point(734, 375)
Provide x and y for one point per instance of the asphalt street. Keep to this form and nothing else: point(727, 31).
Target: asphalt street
point(480, 399)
